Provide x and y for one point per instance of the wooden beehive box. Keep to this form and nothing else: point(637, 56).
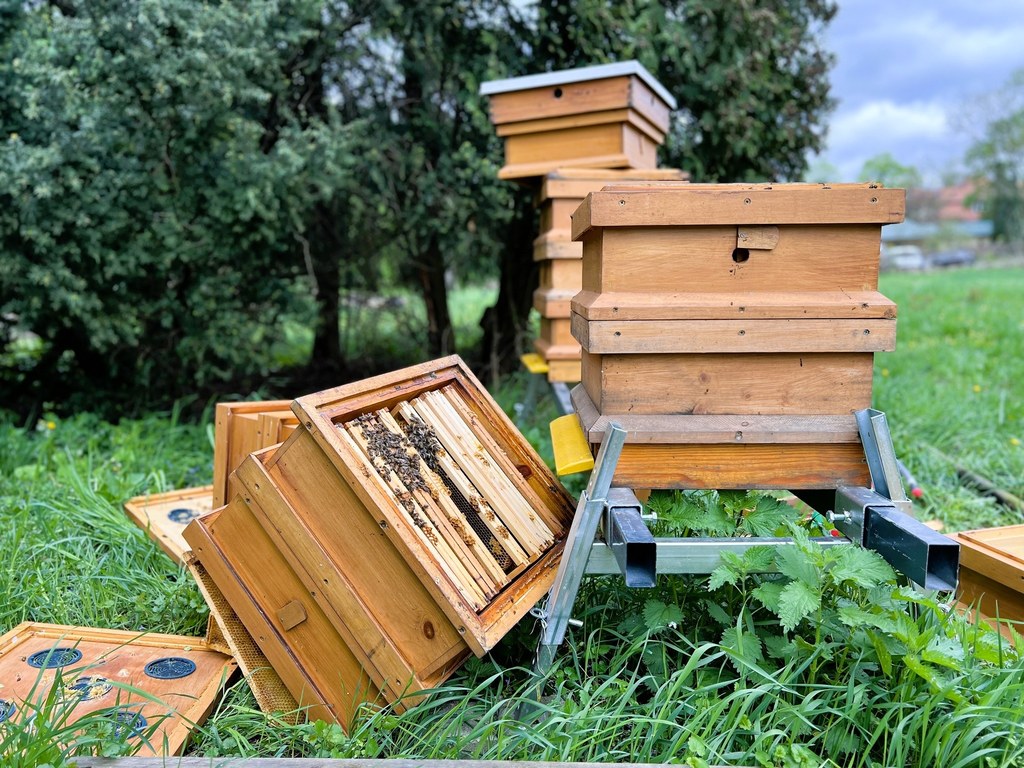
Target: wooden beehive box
point(731, 328)
point(182, 675)
point(560, 258)
point(240, 429)
point(326, 553)
point(163, 516)
point(605, 116)
point(992, 571)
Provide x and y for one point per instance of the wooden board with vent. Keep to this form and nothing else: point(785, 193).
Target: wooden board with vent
point(163, 516)
point(403, 526)
point(731, 328)
point(95, 667)
point(605, 116)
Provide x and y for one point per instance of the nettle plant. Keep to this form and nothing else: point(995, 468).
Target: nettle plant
point(828, 612)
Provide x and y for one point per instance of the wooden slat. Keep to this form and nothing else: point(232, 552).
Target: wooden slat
point(552, 352)
point(579, 182)
point(460, 442)
point(780, 466)
point(552, 302)
point(163, 516)
point(472, 495)
point(733, 336)
point(836, 258)
point(227, 454)
point(542, 524)
point(556, 244)
point(747, 204)
point(704, 430)
point(566, 122)
point(734, 304)
point(613, 145)
point(725, 384)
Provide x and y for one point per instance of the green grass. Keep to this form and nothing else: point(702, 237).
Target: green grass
point(657, 675)
point(954, 387)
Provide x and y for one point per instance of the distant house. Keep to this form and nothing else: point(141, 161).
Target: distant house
point(940, 214)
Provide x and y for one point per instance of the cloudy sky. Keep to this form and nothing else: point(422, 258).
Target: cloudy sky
point(906, 72)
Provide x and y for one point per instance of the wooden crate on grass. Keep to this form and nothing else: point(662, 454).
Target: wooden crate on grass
point(183, 676)
point(403, 526)
point(992, 571)
point(241, 428)
point(605, 116)
point(731, 328)
point(163, 516)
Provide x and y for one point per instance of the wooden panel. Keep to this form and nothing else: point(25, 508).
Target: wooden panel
point(1006, 541)
point(557, 214)
point(116, 659)
point(735, 336)
point(745, 304)
point(561, 274)
point(236, 434)
point(551, 351)
point(610, 146)
point(163, 516)
point(579, 98)
point(557, 331)
point(739, 204)
point(551, 302)
point(556, 244)
point(579, 182)
point(700, 259)
point(781, 466)
point(546, 124)
point(714, 429)
point(567, 371)
point(265, 581)
point(782, 384)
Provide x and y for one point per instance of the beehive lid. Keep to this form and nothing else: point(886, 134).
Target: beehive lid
point(163, 516)
point(579, 75)
point(1005, 541)
point(671, 204)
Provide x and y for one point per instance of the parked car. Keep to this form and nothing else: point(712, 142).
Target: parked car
point(903, 257)
point(952, 257)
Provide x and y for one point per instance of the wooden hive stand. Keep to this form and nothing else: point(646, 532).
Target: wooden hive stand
point(728, 334)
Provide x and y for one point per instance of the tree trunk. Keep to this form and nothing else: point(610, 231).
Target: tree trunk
point(323, 256)
point(505, 323)
point(440, 334)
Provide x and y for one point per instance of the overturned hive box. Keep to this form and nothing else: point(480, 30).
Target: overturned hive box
point(241, 428)
point(405, 524)
point(992, 571)
point(179, 677)
point(163, 516)
point(560, 258)
point(606, 116)
point(730, 328)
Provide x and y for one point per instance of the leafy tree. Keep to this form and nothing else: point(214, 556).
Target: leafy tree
point(149, 219)
point(998, 158)
point(887, 170)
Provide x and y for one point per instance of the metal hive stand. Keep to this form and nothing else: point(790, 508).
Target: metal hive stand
point(877, 519)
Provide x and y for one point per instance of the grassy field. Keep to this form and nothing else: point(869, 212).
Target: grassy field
point(869, 674)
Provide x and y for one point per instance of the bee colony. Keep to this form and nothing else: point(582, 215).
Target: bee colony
point(402, 526)
point(731, 329)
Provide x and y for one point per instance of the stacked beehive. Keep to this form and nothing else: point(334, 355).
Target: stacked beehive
point(731, 329)
point(569, 133)
point(404, 525)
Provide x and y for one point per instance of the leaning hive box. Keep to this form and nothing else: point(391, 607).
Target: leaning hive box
point(183, 676)
point(241, 428)
point(606, 116)
point(992, 571)
point(328, 551)
point(560, 259)
point(731, 328)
